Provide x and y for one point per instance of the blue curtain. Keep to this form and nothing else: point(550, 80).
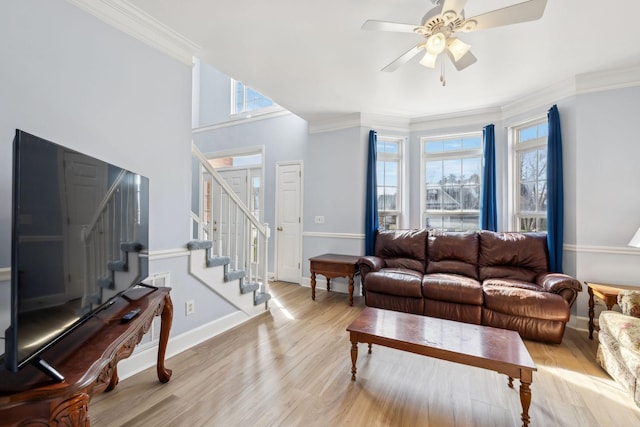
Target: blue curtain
point(371, 213)
point(555, 192)
point(488, 209)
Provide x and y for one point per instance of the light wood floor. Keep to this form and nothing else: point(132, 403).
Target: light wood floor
point(291, 367)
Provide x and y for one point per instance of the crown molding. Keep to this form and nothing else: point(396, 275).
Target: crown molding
point(133, 21)
point(544, 97)
point(462, 118)
point(346, 121)
point(616, 78)
point(353, 120)
point(388, 123)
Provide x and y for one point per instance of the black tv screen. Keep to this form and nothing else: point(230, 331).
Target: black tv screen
point(79, 239)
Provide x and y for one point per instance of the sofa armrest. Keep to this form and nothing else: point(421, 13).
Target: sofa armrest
point(629, 302)
point(367, 264)
point(561, 284)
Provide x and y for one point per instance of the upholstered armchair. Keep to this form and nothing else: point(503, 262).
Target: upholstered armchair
point(619, 337)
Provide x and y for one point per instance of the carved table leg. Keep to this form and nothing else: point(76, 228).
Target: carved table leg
point(313, 285)
point(525, 397)
point(164, 374)
point(369, 348)
point(351, 289)
point(328, 284)
point(510, 382)
point(591, 312)
point(354, 355)
point(113, 381)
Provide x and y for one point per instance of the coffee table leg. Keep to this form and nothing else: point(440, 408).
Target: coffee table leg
point(313, 285)
point(354, 355)
point(510, 382)
point(369, 348)
point(328, 284)
point(525, 397)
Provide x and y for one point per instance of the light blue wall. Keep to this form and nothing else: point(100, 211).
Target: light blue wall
point(284, 139)
point(215, 96)
point(69, 77)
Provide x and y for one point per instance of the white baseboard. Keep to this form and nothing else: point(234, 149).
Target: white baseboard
point(146, 356)
point(579, 323)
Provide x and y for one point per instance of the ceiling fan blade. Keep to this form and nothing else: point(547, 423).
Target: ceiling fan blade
point(462, 63)
point(404, 58)
point(454, 5)
point(388, 26)
point(520, 12)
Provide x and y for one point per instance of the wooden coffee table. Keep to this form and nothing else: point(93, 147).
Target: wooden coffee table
point(484, 347)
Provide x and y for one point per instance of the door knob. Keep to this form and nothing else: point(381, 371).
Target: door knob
point(279, 228)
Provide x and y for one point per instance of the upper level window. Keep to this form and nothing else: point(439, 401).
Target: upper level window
point(530, 160)
point(245, 99)
point(450, 188)
point(388, 175)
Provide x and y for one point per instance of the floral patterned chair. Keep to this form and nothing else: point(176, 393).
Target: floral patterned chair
point(619, 348)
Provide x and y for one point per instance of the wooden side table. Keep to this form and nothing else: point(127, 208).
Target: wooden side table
point(331, 266)
point(608, 293)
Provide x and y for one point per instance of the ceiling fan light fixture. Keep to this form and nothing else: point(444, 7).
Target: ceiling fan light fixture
point(429, 60)
point(458, 48)
point(436, 43)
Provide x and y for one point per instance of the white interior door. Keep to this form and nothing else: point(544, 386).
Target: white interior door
point(89, 182)
point(238, 181)
point(288, 222)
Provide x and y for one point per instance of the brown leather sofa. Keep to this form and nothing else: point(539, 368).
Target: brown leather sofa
point(487, 278)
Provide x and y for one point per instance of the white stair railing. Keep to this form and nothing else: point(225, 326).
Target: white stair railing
point(112, 225)
point(229, 224)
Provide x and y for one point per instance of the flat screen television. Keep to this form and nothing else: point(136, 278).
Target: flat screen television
point(79, 240)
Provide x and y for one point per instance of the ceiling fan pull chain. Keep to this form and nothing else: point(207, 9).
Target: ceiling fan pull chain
point(442, 78)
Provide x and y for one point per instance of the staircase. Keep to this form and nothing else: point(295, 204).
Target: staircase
point(232, 285)
point(228, 250)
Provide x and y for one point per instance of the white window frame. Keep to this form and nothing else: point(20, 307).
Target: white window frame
point(446, 155)
point(399, 160)
point(244, 113)
point(517, 148)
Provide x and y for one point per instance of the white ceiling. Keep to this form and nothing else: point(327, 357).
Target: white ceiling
point(312, 58)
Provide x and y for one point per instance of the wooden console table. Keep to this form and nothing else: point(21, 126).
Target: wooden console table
point(88, 359)
point(608, 293)
point(331, 266)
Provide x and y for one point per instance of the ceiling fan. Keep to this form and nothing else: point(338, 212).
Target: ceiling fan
point(440, 24)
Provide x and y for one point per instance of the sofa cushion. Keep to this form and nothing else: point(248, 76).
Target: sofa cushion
point(620, 363)
point(624, 329)
point(402, 248)
point(452, 288)
point(517, 300)
point(629, 302)
point(395, 281)
point(519, 256)
point(452, 252)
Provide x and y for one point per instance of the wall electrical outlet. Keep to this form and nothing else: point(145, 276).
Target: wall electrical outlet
point(319, 219)
point(189, 307)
